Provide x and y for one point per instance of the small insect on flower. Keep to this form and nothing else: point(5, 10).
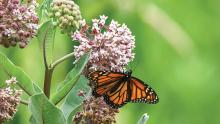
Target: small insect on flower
point(81, 93)
point(119, 88)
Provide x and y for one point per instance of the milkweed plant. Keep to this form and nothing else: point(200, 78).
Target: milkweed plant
point(101, 46)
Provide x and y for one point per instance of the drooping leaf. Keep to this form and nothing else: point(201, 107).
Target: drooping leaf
point(73, 101)
point(24, 81)
point(45, 35)
point(44, 112)
point(144, 118)
point(70, 79)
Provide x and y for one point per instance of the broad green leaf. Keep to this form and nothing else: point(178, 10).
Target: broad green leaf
point(73, 102)
point(45, 35)
point(24, 81)
point(71, 79)
point(44, 112)
point(144, 118)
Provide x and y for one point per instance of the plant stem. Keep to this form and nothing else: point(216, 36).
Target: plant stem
point(49, 71)
point(53, 65)
point(47, 81)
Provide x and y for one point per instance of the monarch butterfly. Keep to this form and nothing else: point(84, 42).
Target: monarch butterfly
point(119, 88)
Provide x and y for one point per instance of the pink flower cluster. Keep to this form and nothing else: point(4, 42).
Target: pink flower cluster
point(18, 23)
point(95, 111)
point(111, 45)
point(9, 100)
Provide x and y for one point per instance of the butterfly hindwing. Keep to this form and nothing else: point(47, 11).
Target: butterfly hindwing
point(141, 92)
point(118, 95)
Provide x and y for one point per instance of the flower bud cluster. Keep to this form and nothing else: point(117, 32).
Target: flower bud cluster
point(66, 14)
point(111, 45)
point(18, 22)
point(95, 111)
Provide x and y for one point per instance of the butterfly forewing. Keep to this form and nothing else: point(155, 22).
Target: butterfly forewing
point(104, 81)
point(141, 92)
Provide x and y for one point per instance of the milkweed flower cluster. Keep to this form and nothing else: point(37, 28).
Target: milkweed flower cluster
point(95, 111)
point(18, 23)
point(9, 100)
point(111, 45)
point(66, 14)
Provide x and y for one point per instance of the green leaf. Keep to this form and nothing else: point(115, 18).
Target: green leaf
point(2, 84)
point(73, 102)
point(32, 120)
point(44, 112)
point(70, 79)
point(144, 118)
point(24, 81)
point(37, 89)
point(45, 35)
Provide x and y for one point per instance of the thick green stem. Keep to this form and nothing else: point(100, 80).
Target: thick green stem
point(47, 81)
point(49, 72)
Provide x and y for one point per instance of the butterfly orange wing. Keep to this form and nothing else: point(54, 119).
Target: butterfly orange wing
point(104, 81)
point(141, 92)
point(118, 90)
point(118, 95)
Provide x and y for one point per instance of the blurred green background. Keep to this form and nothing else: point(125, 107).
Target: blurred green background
point(177, 53)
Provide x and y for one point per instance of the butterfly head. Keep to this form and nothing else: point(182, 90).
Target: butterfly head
point(128, 73)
